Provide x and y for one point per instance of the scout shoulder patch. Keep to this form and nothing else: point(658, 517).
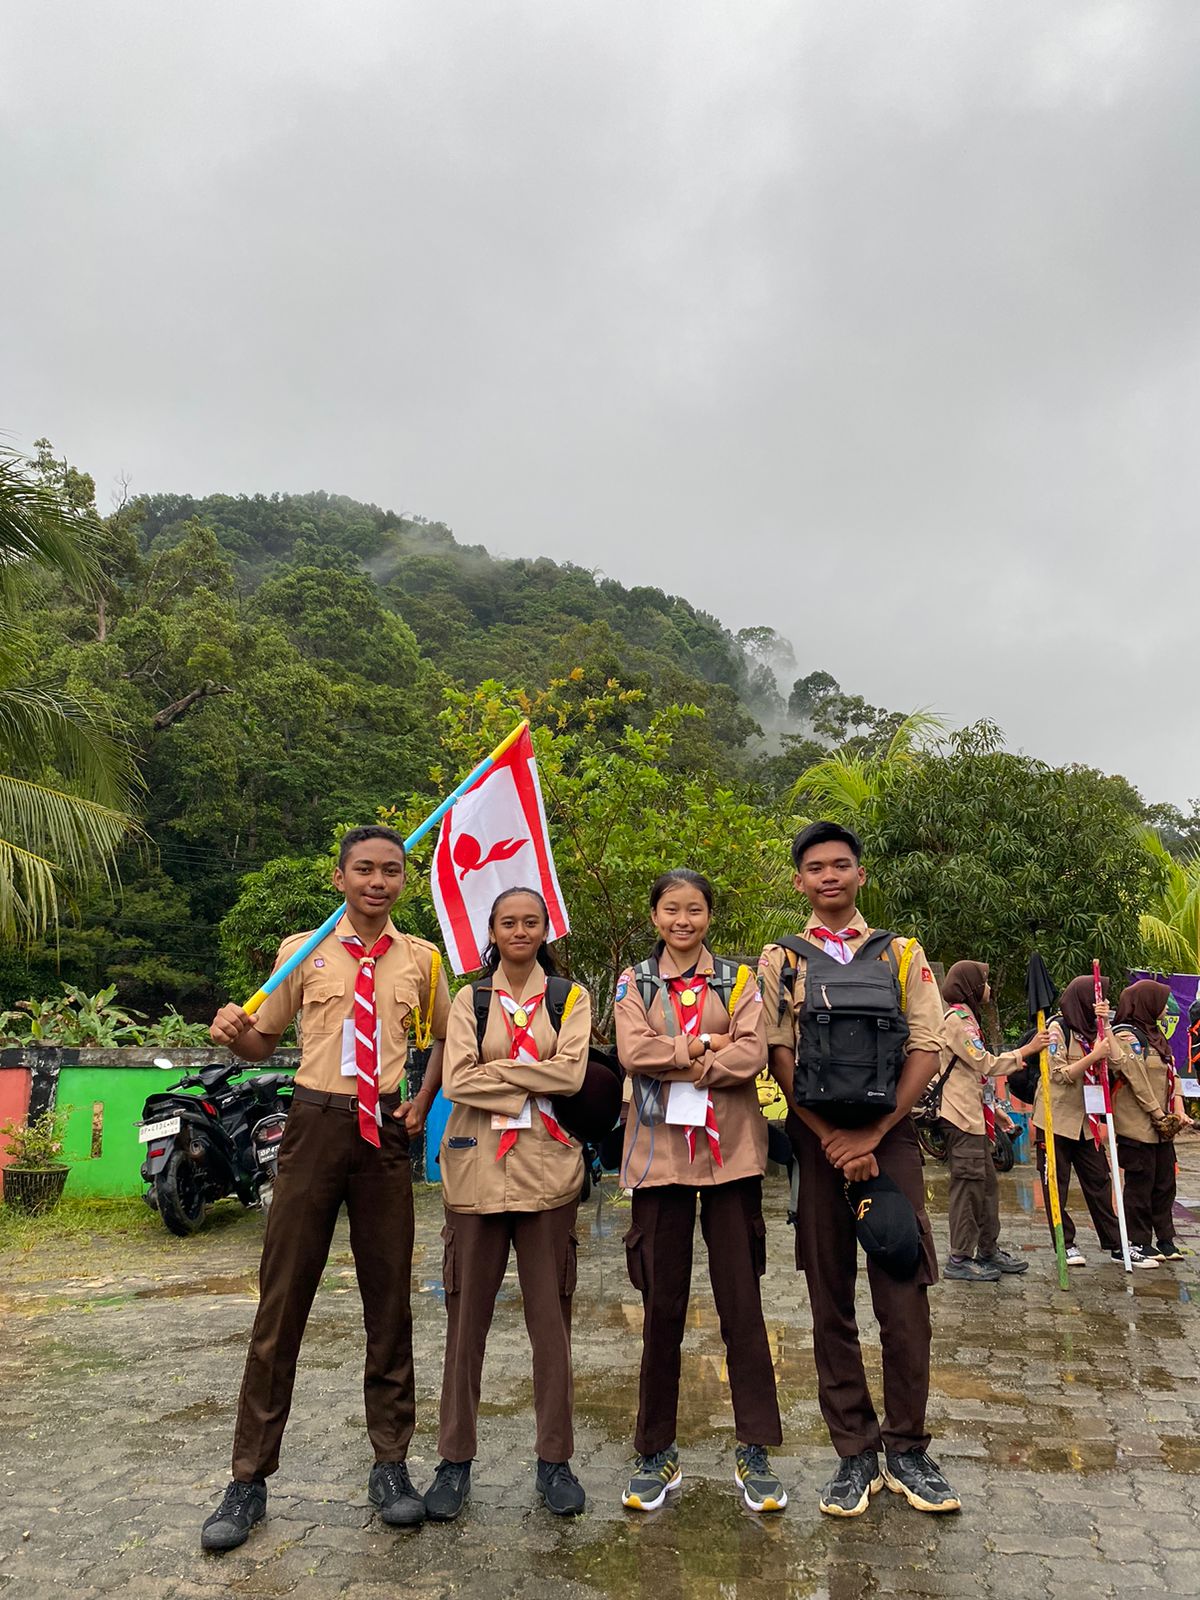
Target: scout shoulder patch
point(623, 983)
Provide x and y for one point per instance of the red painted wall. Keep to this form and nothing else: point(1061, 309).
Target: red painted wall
point(14, 1103)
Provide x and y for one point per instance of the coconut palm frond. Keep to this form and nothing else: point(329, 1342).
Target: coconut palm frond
point(41, 727)
point(37, 526)
point(72, 836)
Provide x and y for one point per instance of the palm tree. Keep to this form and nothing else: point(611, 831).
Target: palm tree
point(67, 781)
point(1171, 924)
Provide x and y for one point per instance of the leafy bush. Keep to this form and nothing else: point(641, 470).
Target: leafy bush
point(80, 1020)
point(37, 1142)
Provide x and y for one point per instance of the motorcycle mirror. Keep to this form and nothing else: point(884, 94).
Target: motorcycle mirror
point(164, 1063)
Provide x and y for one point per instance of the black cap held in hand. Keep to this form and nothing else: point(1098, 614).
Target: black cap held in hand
point(886, 1225)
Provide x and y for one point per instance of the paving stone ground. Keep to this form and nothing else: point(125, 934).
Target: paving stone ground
point(1067, 1420)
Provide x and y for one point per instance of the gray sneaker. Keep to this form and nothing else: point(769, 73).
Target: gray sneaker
point(653, 1478)
point(1003, 1262)
point(917, 1476)
point(759, 1485)
point(968, 1271)
point(243, 1505)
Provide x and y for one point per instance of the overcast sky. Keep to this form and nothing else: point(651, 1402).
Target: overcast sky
point(873, 322)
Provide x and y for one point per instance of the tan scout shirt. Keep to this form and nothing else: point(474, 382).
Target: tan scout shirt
point(538, 1173)
point(659, 1154)
point(1140, 1089)
point(962, 1092)
point(322, 990)
point(922, 1007)
point(1066, 1097)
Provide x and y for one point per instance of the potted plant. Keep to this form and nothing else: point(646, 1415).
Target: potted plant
point(35, 1178)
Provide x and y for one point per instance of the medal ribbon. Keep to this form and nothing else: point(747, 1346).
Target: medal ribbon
point(518, 1019)
point(687, 999)
point(366, 1053)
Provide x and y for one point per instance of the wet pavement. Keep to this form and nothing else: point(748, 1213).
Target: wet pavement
point(1068, 1422)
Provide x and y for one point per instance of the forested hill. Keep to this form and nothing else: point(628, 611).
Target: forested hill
point(279, 663)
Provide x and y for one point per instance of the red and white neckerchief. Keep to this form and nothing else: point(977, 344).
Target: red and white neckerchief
point(687, 997)
point(837, 945)
point(366, 1034)
point(1095, 1078)
point(518, 1018)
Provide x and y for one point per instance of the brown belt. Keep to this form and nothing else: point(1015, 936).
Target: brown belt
point(339, 1102)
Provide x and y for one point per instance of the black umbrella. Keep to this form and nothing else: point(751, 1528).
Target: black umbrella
point(1040, 995)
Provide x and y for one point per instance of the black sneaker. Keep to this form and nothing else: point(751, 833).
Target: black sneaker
point(654, 1476)
point(449, 1491)
point(1003, 1262)
point(968, 1271)
point(391, 1492)
point(919, 1479)
point(752, 1473)
point(848, 1493)
point(1169, 1250)
point(560, 1488)
point(244, 1504)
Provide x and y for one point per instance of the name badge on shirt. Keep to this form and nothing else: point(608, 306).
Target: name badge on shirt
point(1093, 1099)
point(523, 1119)
point(687, 1105)
point(349, 1063)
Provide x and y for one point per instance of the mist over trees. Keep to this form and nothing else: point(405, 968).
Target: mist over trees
point(275, 668)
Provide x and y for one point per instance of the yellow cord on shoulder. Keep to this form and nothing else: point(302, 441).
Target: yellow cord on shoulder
point(573, 995)
point(423, 1029)
point(906, 962)
point(743, 978)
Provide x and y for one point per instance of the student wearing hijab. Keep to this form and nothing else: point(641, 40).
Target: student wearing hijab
point(1074, 1052)
point(691, 1036)
point(968, 1122)
point(1146, 1102)
point(511, 1178)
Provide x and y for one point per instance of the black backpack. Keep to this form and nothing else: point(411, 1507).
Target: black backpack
point(851, 1030)
point(1025, 1080)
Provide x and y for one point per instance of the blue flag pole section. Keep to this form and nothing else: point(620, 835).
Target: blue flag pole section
point(331, 922)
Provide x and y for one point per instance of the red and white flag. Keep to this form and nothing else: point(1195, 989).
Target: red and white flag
point(494, 838)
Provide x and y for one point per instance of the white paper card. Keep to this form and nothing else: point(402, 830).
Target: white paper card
point(687, 1105)
point(1190, 1087)
point(1093, 1099)
point(349, 1064)
point(523, 1119)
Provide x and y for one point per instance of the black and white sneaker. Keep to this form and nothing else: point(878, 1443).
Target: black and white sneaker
point(391, 1492)
point(1075, 1256)
point(243, 1505)
point(848, 1493)
point(449, 1491)
point(1170, 1250)
point(1139, 1258)
point(917, 1476)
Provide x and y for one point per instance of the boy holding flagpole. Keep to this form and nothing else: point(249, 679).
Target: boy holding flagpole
point(358, 992)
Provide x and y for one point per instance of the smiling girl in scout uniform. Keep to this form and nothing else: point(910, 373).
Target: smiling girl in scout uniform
point(347, 1140)
point(830, 1155)
point(967, 1119)
point(690, 1036)
point(511, 1177)
point(1147, 1113)
point(1074, 1049)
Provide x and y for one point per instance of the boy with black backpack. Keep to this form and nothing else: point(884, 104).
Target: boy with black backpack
point(854, 1026)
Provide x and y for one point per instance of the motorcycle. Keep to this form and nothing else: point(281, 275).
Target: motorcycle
point(223, 1140)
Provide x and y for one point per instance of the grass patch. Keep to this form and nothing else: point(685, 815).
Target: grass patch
point(77, 1220)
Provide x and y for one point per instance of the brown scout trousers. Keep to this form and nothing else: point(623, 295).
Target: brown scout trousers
point(473, 1265)
point(1094, 1179)
point(827, 1252)
point(658, 1252)
point(1149, 1190)
point(974, 1193)
point(324, 1161)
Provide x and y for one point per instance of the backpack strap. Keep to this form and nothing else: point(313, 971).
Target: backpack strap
point(798, 950)
point(561, 996)
point(649, 983)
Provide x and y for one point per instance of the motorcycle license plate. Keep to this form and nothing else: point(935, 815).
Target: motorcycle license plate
point(159, 1130)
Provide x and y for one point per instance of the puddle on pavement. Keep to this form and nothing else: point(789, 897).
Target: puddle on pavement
point(238, 1283)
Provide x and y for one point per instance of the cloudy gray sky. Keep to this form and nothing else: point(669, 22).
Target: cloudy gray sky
point(873, 322)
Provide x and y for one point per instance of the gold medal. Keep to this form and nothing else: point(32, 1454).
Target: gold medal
point(688, 997)
point(520, 1016)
